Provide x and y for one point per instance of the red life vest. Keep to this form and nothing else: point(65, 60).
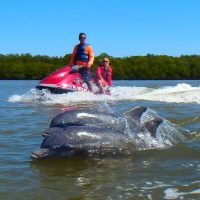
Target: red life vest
point(106, 74)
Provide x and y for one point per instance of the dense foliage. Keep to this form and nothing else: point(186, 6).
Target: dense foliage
point(26, 66)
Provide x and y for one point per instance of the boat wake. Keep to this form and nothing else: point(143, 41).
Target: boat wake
point(181, 93)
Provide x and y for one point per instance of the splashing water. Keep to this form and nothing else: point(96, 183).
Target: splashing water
point(184, 93)
point(167, 133)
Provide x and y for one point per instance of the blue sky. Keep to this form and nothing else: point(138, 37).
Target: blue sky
point(119, 28)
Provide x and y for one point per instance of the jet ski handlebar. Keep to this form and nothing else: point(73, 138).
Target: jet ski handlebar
point(76, 67)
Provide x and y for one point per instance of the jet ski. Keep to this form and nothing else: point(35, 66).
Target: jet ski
point(67, 79)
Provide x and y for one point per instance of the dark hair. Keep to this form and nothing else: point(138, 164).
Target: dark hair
point(81, 34)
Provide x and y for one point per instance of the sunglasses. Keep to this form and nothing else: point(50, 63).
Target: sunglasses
point(105, 61)
point(82, 37)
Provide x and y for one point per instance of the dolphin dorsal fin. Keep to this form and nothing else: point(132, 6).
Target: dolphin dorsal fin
point(136, 112)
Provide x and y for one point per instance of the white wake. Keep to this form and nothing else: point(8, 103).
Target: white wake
point(181, 93)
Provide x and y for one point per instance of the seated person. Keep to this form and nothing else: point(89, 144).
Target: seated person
point(104, 75)
point(83, 55)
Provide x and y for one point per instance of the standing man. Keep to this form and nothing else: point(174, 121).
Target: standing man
point(83, 55)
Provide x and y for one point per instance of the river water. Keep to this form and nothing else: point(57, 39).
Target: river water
point(169, 173)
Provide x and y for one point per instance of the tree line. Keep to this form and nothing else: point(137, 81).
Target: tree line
point(148, 67)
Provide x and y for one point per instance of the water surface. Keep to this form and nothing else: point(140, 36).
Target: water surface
point(171, 173)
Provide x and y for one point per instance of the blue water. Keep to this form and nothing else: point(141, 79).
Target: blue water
point(171, 173)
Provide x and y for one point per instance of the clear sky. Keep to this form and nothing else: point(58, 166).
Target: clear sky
point(117, 27)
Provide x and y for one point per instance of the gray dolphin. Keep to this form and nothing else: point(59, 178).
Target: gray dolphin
point(90, 131)
point(95, 118)
point(85, 117)
point(133, 117)
point(152, 125)
point(75, 139)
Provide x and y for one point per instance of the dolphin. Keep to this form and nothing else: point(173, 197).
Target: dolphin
point(152, 125)
point(91, 131)
point(85, 117)
point(133, 117)
point(81, 139)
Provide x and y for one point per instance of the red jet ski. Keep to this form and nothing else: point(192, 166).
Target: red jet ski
point(67, 79)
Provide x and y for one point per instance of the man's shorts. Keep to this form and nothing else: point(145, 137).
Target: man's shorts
point(86, 74)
